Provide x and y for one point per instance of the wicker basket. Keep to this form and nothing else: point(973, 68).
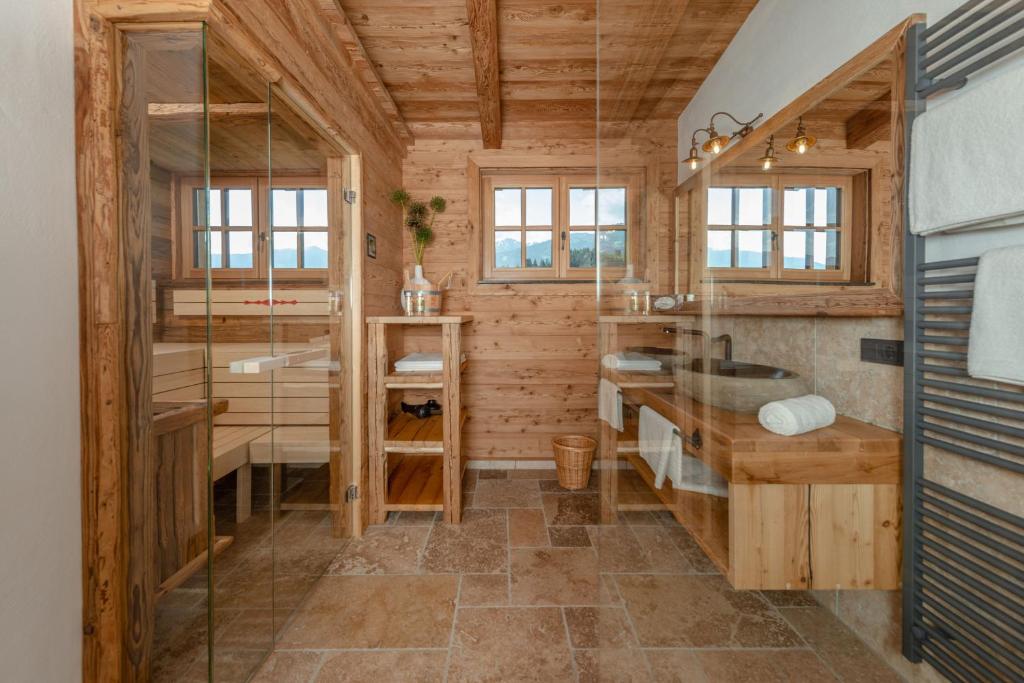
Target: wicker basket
point(573, 457)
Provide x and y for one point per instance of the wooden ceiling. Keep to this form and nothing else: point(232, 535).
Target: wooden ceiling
point(240, 109)
point(439, 70)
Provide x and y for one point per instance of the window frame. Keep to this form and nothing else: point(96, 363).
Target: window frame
point(560, 182)
point(776, 271)
point(260, 186)
point(291, 183)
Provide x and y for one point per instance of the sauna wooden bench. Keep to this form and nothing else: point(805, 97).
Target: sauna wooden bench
point(815, 511)
point(415, 465)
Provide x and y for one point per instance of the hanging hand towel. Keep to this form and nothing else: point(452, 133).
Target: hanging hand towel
point(661, 446)
point(995, 350)
point(965, 154)
point(659, 442)
point(794, 416)
point(609, 407)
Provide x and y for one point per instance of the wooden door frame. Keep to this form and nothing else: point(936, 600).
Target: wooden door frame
point(114, 312)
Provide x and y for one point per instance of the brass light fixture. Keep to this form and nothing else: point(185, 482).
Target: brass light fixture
point(694, 159)
point(716, 142)
point(802, 142)
point(769, 159)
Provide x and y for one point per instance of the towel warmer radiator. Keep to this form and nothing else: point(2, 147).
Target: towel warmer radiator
point(963, 558)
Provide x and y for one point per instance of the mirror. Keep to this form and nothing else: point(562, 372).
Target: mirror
point(805, 208)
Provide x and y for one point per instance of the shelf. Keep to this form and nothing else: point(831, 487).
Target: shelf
point(407, 434)
point(454, 318)
point(662, 379)
point(418, 380)
point(416, 484)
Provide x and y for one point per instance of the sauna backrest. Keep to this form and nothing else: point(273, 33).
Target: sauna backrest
point(299, 394)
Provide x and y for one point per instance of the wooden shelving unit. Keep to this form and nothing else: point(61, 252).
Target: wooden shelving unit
point(415, 464)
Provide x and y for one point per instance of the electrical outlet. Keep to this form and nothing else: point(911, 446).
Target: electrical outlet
point(884, 351)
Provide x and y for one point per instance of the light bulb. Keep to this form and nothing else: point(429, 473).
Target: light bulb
point(693, 164)
point(767, 165)
point(715, 147)
point(801, 147)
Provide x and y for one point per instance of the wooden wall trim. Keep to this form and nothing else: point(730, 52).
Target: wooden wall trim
point(151, 10)
point(100, 323)
point(335, 15)
point(483, 36)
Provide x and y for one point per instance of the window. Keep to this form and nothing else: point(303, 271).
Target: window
point(779, 228)
point(558, 227)
point(247, 217)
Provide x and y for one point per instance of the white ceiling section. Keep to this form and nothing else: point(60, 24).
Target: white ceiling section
point(785, 47)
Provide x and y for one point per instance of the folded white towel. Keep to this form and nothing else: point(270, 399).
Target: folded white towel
point(631, 361)
point(609, 407)
point(995, 350)
point(793, 416)
point(963, 160)
point(661, 447)
point(421, 362)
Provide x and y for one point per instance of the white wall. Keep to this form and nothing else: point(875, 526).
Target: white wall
point(40, 500)
point(785, 47)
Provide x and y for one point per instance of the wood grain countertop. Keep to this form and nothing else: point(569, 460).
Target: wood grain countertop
point(741, 450)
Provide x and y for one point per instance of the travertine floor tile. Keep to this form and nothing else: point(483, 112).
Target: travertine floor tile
point(701, 611)
point(554, 576)
point(506, 493)
point(493, 474)
point(599, 627)
point(288, 667)
point(790, 598)
point(547, 474)
point(479, 545)
point(838, 647)
point(618, 550)
point(409, 666)
point(572, 509)
point(374, 612)
point(526, 529)
point(612, 665)
point(569, 536)
point(677, 666)
point(763, 666)
point(484, 590)
point(502, 644)
point(383, 550)
point(660, 552)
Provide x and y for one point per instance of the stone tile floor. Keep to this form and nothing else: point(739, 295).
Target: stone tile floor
point(531, 588)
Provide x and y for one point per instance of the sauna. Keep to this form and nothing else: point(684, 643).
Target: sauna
point(514, 340)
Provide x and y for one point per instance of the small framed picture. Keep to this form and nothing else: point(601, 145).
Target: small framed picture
point(371, 245)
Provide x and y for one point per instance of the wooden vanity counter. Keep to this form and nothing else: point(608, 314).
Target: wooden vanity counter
point(815, 511)
point(741, 450)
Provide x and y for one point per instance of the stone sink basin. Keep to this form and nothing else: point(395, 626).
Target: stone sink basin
point(736, 386)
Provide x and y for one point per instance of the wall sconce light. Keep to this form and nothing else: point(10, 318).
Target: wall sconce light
point(802, 142)
point(715, 142)
point(694, 159)
point(769, 159)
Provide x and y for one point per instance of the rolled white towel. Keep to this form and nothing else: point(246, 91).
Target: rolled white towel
point(794, 416)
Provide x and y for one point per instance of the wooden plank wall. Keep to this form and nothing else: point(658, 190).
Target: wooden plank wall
point(533, 349)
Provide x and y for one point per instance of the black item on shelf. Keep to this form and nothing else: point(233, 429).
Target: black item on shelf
point(422, 410)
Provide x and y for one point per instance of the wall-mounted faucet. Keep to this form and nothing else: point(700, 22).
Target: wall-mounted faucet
point(706, 341)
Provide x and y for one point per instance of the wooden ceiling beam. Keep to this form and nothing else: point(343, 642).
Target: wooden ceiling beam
point(871, 124)
point(335, 15)
point(483, 33)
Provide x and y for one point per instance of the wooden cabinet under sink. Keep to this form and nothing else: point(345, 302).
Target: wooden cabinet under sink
point(816, 511)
